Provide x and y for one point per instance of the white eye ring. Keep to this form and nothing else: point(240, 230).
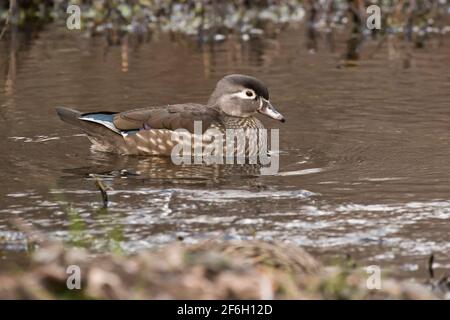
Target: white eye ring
point(246, 94)
point(250, 93)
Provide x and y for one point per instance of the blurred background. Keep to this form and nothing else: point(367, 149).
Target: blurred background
point(364, 159)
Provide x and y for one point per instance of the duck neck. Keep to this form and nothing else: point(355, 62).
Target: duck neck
point(231, 122)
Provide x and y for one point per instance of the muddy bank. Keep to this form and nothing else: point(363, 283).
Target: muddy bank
point(209, 270)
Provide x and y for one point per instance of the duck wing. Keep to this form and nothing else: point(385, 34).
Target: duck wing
point(172, 117)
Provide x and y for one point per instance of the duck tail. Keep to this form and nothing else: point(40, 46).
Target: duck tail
point(103, 137)
point(90, 123)
point(69, 115)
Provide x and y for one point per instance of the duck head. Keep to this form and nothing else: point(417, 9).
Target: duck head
point(243, 96)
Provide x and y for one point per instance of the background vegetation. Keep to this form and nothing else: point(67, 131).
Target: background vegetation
point(219, 18)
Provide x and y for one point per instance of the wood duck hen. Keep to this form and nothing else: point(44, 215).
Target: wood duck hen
point(156, 130)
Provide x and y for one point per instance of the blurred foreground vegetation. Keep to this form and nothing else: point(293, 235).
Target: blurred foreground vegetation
point(209, 270)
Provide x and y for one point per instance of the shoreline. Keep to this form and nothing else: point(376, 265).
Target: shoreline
point(208, 270)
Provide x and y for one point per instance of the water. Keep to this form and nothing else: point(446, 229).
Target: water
point(364, 167)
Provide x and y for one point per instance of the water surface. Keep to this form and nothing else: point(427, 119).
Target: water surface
point(364, 167)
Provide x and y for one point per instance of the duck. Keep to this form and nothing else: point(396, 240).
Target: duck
point(158, 130)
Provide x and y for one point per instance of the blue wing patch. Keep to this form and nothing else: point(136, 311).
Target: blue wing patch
point(106, 120)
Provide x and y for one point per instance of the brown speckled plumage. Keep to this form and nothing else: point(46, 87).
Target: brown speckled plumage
point(156, 130)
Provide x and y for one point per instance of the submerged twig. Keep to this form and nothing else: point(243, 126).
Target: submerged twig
point(10, 17)
point(430, 266)
point(5, 27)
point(103, 190)
point(355, 9)
point(441, 284)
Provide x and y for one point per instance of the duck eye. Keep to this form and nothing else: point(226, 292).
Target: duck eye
point(249, 93)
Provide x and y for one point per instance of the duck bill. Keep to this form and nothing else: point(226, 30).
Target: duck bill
point(269, 110)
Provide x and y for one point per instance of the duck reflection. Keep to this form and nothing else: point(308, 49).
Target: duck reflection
point(162, 168)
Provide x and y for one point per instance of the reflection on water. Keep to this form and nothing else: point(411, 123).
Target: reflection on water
point(364, 155)
point(162, 169)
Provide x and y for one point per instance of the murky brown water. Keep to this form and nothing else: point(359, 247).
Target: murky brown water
point(364, 165)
